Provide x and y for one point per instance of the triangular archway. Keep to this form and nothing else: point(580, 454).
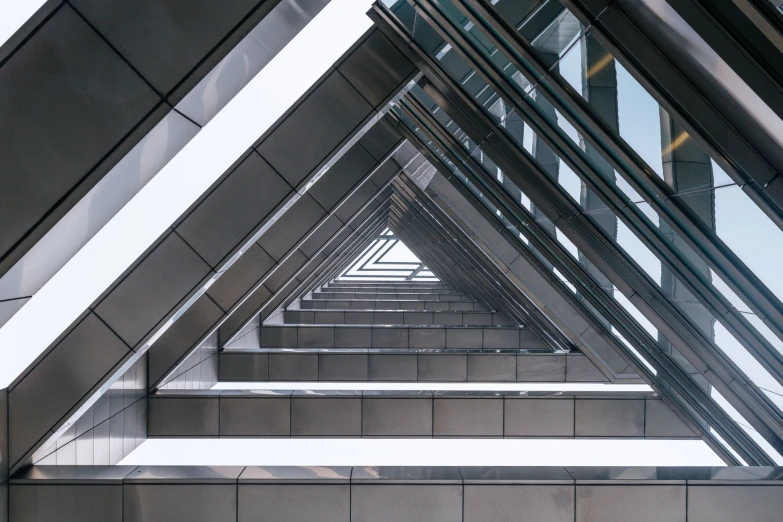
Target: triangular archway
point(388, 258)
point(485, 138)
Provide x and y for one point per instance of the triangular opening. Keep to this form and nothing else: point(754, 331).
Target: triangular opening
point(387, 258)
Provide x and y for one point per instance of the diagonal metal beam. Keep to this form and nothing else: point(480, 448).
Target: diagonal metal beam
point(761, 413)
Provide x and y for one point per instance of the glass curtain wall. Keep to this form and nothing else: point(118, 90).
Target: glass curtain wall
point(573, 57)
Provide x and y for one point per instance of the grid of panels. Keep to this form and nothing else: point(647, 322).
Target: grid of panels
point(535, 173)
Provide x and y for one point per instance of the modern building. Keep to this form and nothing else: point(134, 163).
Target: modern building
point(541, 220)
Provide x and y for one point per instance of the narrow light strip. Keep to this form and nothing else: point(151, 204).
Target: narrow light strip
point(422, 452)
point(181, 182)
point(436, 386)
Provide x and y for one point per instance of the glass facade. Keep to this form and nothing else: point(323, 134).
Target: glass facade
point(488, 219)
point(544, 91)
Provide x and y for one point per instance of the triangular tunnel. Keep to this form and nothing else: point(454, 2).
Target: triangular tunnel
point(387, 259)
point(433, 242)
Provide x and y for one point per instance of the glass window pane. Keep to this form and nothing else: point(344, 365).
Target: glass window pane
point(615, 96)
point(750, 234)
point(739, 419)
point(638, 251)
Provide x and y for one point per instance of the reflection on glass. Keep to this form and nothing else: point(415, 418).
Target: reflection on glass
point(624, 104)
point(636, 118)
point(745, 425)
point(403, 11)
point(615, 96)
point(652, 266)
point(703, 57)
point(556, 39)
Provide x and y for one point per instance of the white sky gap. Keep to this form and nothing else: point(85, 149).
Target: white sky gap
point(443, 386)
point(13, 14)
point(422, 452)
point(241, 122)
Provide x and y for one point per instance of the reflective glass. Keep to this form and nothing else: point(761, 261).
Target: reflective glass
point(635, 115)
point(402, 10)
point(710, 63)
point(649, 262)
point(652, 266)
point(615, 96)
point(593, 72)
point(745, 425)
point(516, 13)
point(635, 352)
point(625, 105)
point(558, 36)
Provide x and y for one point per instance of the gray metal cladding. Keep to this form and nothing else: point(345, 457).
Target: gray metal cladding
point(146, 295)
point(376, 68)
point(173, 270)
point(175, 39)
point(49, 85)
point(331, 113)
point(359, 494)
point(100, 72)
point(233, 209)
point(391, 413)
point(62, 369)
point(246, 271)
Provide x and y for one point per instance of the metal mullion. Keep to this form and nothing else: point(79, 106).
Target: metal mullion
point(473, 266)
point(461, 253)
point(448, 244)
point(606, 255)
point(399, 222)
point(359, 248)
point(501, 229)
point(424, 232)
point(340, 261)
point(681, 98)
point(376, 251)
point(542, 241)
point(295, 292)
point(353, 244)
point(728, 432)
point(415, 272)
point(380, 261)
point(371, 250)
point(458, 284)
point(651, 343)
point(741, 329)
point(454, 282)
point(592, 288)
point(355, 255)
point(376, 265)
point(690, 393)
point(748, 36)
point(333, 264)
point(388, 244)
point(299, 291)
point(588, 287)
point(623, 158)
point(353, 241)
point(529, 311)
point(344, 260)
